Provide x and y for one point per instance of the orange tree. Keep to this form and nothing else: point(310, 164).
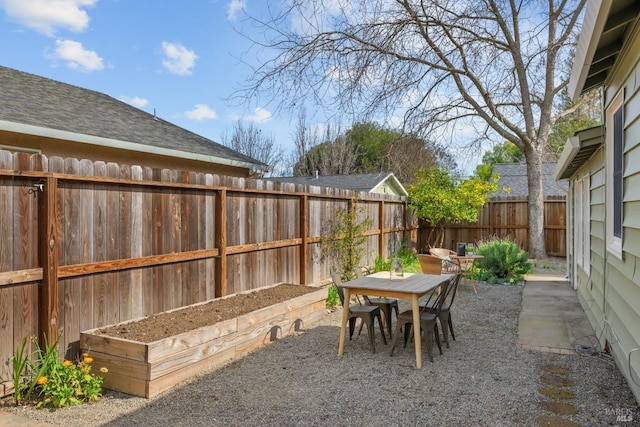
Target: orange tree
point(438, 197)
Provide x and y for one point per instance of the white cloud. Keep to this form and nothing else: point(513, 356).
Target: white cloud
point(201, 112)
point(260, 115)
point(178, 59)
point(46, 16)
point(234, 7)
point(77, 57)
point(136, 101)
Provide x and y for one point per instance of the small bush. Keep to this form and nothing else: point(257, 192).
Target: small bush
point(503, 262)
point(410, 263)
point(332, 297)
point(59, 383)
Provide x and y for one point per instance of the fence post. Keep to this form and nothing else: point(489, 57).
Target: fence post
point(48, 224)
point(221, 243)
point(381, 229)
point(304, 234)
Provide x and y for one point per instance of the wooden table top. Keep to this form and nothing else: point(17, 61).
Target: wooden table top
point(413, 283)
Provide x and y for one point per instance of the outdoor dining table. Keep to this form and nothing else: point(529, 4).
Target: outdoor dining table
point(411, 287)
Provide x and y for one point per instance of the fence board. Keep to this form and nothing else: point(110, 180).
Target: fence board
point(7, 218)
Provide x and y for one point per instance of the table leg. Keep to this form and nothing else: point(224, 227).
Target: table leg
point(415, 306)
point(345, 319)
point(473, 279)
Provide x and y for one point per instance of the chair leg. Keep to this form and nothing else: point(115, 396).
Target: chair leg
point(453, 335)
point(372, 338)
point(352, 326)
point(445, 328)
point(384, 339)
point(396, 334)
point(386, 311)
point(437, 335)
point(407, 333)
point(429, 342)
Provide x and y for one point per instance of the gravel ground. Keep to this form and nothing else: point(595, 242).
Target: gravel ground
point(481, 380)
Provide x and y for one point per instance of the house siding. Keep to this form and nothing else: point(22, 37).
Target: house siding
point(622, 284)
point(591, 286)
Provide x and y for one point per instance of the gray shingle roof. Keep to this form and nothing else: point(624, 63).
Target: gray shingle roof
point(364, 182)
point(514, 176)
point(33, 100)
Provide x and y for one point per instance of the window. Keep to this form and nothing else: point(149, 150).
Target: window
point(615, 153)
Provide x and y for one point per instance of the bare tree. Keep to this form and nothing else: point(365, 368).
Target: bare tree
point(491, 65)
point(326, 151)
point(250, 141)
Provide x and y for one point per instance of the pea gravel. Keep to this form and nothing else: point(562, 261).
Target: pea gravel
point(481, 380)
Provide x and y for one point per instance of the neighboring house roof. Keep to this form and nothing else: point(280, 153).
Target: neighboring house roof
point(35, 105)
point(514, 176)
point(382, 182)
point(601, 40)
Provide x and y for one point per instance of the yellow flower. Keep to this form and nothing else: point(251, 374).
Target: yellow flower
point(85, 354)
point(53, 372)
point(104, 370)
point(67, 363)
point(87, 359)
point(42, 380)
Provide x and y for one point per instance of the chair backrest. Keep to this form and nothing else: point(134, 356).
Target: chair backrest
point(441, 252)
point(452, 290)
point(337, 281)
point(430, 264)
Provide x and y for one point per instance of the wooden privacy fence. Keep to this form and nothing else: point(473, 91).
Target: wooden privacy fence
point(508, 217)
point(84, 244)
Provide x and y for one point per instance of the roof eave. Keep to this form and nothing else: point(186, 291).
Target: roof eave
point(126, 145)
point(577, 151)
point(594, 22)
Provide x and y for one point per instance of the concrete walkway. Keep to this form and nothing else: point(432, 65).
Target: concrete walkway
point(551, 318)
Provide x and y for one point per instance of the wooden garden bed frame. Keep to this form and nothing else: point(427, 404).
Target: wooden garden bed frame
point(146, 369)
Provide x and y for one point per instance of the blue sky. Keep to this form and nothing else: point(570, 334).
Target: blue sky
point(178, 58)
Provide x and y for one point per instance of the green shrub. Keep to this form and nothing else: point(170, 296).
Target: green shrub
point(59, 383)
point(503, 262)
point(410, 263)
point(332, 297)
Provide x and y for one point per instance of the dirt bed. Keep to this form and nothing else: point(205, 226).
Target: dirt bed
point(163, 325)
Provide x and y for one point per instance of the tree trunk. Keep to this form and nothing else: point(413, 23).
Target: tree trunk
point(537, 247)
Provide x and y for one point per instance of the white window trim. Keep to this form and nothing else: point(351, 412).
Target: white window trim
point(578, 223)
point(614, 244)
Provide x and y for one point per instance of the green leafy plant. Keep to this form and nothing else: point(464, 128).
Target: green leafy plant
point(69, 383)
point(410, 263)
point(20, 362)
point(343, 239)
point(504, 262)
point(59, 383)
point(332, 297)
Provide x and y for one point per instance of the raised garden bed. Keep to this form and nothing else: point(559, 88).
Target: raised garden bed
point(147, 367)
